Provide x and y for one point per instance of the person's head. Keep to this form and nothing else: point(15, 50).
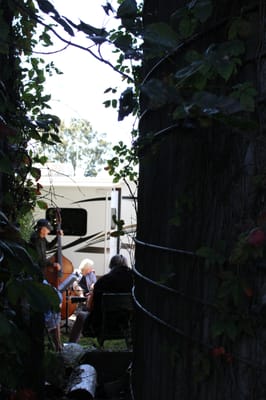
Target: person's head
point(44, 227)
point(86, 266)
point(118, 261)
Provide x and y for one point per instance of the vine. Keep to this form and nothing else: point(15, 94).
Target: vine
point(23, 296)
point(22, 111)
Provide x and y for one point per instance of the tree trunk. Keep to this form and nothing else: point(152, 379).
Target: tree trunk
point(196, 189)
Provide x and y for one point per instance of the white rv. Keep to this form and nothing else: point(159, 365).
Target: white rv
point(88, 208)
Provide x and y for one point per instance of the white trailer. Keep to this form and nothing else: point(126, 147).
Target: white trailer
point(89, 206)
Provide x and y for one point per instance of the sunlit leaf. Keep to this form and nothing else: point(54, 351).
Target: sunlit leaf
point(42, 204)
point(36, 173)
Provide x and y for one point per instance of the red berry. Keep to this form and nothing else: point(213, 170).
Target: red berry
point(248, 291)
point(256, 237)
point(218, 351)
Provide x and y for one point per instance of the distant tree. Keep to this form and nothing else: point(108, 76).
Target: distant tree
point(81, 146)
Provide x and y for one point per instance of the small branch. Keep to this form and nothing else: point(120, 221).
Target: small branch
point(69, 43)
point(52, 52)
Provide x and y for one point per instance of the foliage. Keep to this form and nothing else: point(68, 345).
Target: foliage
point(123, 164)
point(22, 115)
point(22, 295)
point(195, 90)
point(80, 146)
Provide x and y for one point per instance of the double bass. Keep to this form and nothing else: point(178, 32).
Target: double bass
point(62, 279)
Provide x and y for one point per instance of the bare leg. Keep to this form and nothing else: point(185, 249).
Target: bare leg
point(77, 327)
point(56, 336)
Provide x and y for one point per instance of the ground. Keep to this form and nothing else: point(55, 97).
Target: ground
point(111, 366)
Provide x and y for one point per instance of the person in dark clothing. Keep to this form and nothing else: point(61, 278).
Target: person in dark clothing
point(118, 279)
point(39, 242)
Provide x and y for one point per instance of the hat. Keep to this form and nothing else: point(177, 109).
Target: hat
point(44, 222)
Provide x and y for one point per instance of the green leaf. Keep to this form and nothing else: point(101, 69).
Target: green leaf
point(108, 90)
point(231, 330)
point(36, 173)
point(123, 42)
point(239, 28)
point(6, 248)
point(55, 138)
point(232, 48)
point(22, 260)
point(225, 69)
point(161, 34)
point(114, 103)
point(225, 289)
point(65, 25)
point(190, 70)
point(202, 9)
point(187, 26)
point(42, 204)
point(5, 164)
point(5, 326)
point(218, 328)
point(128, 9)
point(211, 255)
point(41, 297)
point(179, 113)
point(247, 102)
point(98, 35)
point(14, 291)
point(246, 93)
point(47, 7)
point(107, 103)
point(127, 103)
point(159, 93)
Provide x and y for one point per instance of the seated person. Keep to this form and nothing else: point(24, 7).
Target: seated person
point(88, 278)
point(118, 279)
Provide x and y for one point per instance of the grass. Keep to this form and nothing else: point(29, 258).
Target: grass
point(109, 345)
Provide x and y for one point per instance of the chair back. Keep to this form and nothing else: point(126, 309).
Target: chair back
point(117, 315)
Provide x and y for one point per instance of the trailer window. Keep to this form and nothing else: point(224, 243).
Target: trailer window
point(73, 220)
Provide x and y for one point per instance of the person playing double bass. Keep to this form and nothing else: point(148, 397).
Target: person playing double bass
point(39, 242)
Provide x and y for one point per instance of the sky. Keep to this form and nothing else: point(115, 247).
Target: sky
point(79, 91)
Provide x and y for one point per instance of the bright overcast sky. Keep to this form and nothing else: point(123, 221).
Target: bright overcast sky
point(79, 92)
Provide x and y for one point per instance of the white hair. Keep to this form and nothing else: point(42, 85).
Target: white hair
point(86, 263)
